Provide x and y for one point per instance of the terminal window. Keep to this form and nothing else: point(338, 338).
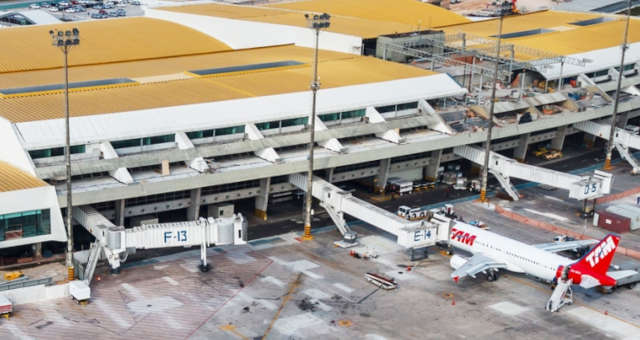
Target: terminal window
point(25, 224)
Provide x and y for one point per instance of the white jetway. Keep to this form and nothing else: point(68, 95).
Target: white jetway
point(503, 168)
point(411, 234)
point(623, 140)
point(114, 241)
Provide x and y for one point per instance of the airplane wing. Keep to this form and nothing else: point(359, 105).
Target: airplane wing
point(476, 264)
point(555, 247)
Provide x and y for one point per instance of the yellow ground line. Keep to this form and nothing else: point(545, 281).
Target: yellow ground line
point(576, 302)
point(233, 330)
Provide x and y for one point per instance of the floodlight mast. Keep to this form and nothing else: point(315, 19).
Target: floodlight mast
point(504, 8)
point(65, 39)
point(316, 22)
point(625, 46)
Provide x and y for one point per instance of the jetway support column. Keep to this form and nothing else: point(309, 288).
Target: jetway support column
point(380, 182)
point(262, 200)
point(430, 172)
point(119, 219)
point(520, 152)
point(557, 143)
point(193, 212)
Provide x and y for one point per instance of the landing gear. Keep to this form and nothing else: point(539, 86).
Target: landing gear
point(492, 275)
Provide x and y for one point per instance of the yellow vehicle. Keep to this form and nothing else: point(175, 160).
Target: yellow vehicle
point(12, 275)
point(541, 152)
point(553, 154)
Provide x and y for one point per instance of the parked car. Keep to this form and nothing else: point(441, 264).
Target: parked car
point(135, 3)
point(54, 9)
point(45, 5)
point(121, 4)
point(34, 6)
point(113, 14)
point(109, 5)
point(70, 10)
point(121, 12)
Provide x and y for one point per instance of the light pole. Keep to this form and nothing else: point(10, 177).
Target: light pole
point(316, 22)
point(504, 7)
point(65, 39)
point(610, 144)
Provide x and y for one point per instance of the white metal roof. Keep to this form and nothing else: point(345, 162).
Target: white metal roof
point(167, 120)
point(597, 60)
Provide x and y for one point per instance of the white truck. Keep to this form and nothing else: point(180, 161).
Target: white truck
point(6, 307)
point(413, 214)
point(400, 186)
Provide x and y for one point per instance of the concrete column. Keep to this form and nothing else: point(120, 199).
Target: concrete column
point(622, 119)
point(119, 219)
point(557, 143)
point(380, 182)
point(589, 140)
point(430, 172)
point(520, 152)
point(330, 172)
point(262, 200)
point(193, 212)
point(37, 250)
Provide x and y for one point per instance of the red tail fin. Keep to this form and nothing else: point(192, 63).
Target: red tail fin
point(599, 258)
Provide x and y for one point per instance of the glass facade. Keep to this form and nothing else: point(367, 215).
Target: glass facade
point(52, 152)
point(127, 143)
point(25, 224)
point(399, 107)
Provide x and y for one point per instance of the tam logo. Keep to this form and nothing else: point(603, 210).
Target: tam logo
point(601, 251)
point(462, 237)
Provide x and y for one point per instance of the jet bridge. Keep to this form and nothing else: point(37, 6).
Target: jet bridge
point(410, 234)
point(623, 140)
point(503, 168)
point(114, 242)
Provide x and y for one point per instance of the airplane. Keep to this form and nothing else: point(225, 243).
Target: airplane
point(493, 252)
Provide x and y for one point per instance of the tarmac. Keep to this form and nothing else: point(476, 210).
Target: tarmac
point(279, 287)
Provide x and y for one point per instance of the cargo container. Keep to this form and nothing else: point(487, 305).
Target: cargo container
point(613, 222)
point(629, 211)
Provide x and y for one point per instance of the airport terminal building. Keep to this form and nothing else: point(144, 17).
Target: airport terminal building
point(195, 106)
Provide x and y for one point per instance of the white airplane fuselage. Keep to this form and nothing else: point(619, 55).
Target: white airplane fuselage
point(519, 257)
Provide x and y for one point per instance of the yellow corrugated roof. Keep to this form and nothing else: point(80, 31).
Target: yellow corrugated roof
point(102, 41)
point(163, 66)
point(410, 12)
point(564, 38)
point(12, 178)
point(605, 35)
point(525, 22)
point(380, 17)
point(336, 69)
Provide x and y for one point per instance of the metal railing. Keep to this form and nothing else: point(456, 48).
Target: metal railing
point(24, 282)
